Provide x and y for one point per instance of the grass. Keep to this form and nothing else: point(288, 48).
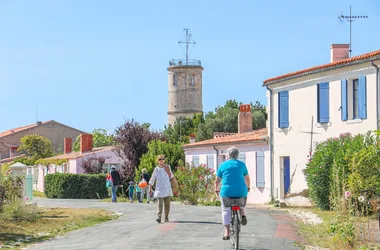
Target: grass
point(38, 194)
point(51, 222)
point(319, 235)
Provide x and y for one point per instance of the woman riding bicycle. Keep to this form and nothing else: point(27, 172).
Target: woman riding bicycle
point(235, 182)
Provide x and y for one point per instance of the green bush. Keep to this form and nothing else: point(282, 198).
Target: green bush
point(328, 172)
point(75, 186)
point(196, 185)
point(13, 188)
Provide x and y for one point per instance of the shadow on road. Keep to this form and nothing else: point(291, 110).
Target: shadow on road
point(197, 222)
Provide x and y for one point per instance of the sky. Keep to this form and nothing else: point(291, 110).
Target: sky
point(94, 64)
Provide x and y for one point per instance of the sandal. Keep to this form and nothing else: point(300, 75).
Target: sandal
point(227, 237)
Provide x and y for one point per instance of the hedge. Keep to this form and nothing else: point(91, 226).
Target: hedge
point(75, 186)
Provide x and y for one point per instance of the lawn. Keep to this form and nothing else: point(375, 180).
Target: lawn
point(51, 222)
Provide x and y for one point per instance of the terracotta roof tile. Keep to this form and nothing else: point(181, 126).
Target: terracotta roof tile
point(256, 135)
point(75, 155)
point(10, 159)
point(374, 54)
point(19, 129)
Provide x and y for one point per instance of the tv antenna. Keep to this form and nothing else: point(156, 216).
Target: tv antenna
point(350, 19)
point(188, 41)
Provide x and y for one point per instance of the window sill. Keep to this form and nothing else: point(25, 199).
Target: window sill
point(284, 129)
point(354, 121)
point(323, 125)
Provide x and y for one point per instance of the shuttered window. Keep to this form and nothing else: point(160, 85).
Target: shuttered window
point(323, 103)
point(210, 161)
point(241, 157)
point(195, 161)
point(260, 169)
point(283, 109)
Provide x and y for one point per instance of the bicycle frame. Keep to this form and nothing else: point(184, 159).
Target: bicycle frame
point(235, 226)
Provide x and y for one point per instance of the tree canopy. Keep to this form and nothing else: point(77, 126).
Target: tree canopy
point(36, 147)
point(100, 138)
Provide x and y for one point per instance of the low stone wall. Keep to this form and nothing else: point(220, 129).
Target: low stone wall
point(297, 201)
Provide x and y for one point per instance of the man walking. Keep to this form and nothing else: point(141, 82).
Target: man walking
point(115, 183)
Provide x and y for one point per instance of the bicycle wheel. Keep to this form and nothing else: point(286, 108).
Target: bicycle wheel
point(232, 233)
point(236, 229)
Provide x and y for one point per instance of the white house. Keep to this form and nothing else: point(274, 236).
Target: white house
point(338, 97)
point(254, 151)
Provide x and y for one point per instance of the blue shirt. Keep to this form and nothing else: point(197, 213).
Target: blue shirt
point(232, 173)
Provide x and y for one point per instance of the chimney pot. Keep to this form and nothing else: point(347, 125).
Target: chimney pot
point(85, 143)
point(245, 119)
point(67, 145)
point(339, 52)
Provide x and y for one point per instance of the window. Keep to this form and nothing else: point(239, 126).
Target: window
point(323, 103)
point(210, 161)
point(192, 80)
point(175, 79)
point(241, 157)
point(260, 169)
point(354, 98)
point(195, 161)
point(283, 109)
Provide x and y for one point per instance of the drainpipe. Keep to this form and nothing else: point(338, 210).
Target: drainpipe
point(217, 157)
point(377, 94)
point(271, 141)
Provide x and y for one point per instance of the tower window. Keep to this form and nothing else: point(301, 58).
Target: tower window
point(175, 79)
point(192, 80)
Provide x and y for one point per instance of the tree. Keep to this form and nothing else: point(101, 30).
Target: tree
point(225, 119)
point(100, 138)
point(36, 147)
point(174, 155)
point(131, 142)
point(93, 165)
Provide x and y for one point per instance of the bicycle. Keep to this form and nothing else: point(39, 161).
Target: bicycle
point(235, 203)
point(374, 201)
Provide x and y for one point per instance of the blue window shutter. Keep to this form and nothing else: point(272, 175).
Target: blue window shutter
point(283, 112)
point(323, 103)
point(362, 92)
point(344, 104)
point(260, 170)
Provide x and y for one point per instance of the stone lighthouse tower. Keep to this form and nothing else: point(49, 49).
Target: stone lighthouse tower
point(185, 85)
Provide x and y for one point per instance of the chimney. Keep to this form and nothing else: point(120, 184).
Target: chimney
point(245, 119)
point(85, 143)
point(192, 138)
point(67, 145)
point(339, 52)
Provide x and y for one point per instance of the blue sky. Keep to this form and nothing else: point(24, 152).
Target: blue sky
point(92, 63)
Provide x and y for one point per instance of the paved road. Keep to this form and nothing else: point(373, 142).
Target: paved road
point(191, 227)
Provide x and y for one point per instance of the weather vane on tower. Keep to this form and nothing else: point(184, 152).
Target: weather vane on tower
point(188, 41)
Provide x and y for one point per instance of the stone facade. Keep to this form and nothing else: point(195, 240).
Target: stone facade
point(185, 91)
point(54, 131)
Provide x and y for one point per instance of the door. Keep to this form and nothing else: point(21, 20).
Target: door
point(286, 162)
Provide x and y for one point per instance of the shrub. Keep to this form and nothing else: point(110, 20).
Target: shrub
point(75, 186)
point(13, 188)
point(329, 169)
point(196, 184)
point(18, 211)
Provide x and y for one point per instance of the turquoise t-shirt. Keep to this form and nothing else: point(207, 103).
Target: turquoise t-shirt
point(232, 173)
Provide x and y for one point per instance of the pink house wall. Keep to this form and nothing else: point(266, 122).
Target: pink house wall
point(74, 166)
point(256, 195)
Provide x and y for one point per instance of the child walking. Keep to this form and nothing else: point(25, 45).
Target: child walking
point(138, 193)
point(131, 190)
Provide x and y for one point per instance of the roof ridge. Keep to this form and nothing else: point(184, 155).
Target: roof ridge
point(326, 66)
